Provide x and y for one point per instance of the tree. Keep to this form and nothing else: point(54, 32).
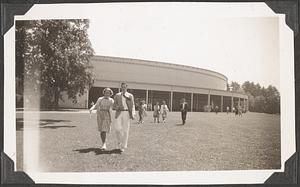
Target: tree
point(236, 87)
point(259, 104)
point(251, 102)
point(20, 53)
point(227, 87)
point(262, 99)
point(55, 55)
point(247, 87)
point(251, 88)
point(272, 100)
point(257, 89)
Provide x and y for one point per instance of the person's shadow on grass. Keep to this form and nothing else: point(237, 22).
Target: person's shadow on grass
point(99, 151)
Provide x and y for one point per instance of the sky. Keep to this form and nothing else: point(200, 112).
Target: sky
point(241, 48)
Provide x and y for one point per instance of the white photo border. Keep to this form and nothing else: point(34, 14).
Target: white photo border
point(77, 11)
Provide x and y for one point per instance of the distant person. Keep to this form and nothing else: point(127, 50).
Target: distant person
point(137, 104)
point(240, 110)
point(206, 108)
point(156, 112)
point(142, 111)
point(183, 109)
point(164, 111)
point(227, 109)
point(104, 114)
point(150, 106)
point(236, 111)
point(125, 111)
point(216, 109)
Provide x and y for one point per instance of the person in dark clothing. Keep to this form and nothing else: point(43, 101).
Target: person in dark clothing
point(183, 109)
point(236, 111)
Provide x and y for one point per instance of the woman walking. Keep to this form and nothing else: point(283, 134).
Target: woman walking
point(104, 114)
point(142, 111)
point(164, 111)
point(156, 111)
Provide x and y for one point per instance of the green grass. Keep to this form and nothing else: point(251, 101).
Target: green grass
point(70, 141)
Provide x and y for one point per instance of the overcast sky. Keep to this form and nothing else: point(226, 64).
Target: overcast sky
point(241, 48)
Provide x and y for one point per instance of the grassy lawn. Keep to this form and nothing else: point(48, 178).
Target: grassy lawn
point(69, 141)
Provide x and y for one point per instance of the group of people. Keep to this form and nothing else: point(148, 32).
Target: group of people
point(124, 105)
point(236, 110)
point(160, 110)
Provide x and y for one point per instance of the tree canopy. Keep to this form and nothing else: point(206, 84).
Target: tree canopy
point(262, 99)
point(55, 55)
point(235, 87)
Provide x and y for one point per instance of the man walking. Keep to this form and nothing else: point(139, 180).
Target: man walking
point(125, 111)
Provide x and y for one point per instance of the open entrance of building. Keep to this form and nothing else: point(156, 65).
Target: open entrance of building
point(226, 103)
point(199, 102)
point(177, 96)
point(159, 96)
point(215, 103)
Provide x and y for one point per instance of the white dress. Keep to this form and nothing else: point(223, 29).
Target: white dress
point(164, 110)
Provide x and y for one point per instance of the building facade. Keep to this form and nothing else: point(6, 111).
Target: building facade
point(156, 81)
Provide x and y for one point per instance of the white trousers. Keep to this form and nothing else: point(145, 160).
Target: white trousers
point(122, 125)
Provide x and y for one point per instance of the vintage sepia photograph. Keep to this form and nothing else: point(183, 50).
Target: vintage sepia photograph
point(138, 89)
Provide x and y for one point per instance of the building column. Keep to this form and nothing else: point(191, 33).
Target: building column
point(244, 107)
point(248, 104)
point(147, 94)
point(208, 101)
point(221, 103)
point(239, 103)
point(152, 100)
point(192, 98)
point(171, 103)
point(87, 99)
point(231, 104)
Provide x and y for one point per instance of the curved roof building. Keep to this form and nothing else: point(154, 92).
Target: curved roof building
point(156, 73)
point(156, 81)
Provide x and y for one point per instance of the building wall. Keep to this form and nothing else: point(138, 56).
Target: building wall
point(157, 77)
point(156, 73)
